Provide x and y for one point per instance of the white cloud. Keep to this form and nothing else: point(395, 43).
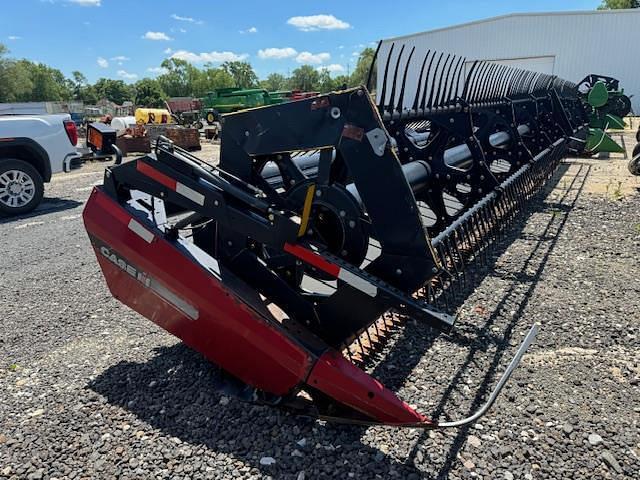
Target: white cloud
point(313, 58)
point(126, 75)
point(14, 37)
point(318, 22)
point(213, 57)
point(120, 58)
point(102, 62)
point(182, 30)
point(333, 68)
point(167, 51)
point(86, 3)
point(157, 70)
point(277, 53)
point(183, 19)
point(250, 30)
point(156, 36)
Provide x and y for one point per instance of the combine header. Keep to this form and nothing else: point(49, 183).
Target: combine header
point(329, 220)
point(606, 105)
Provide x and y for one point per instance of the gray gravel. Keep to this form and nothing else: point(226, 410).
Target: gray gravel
point(92, 390)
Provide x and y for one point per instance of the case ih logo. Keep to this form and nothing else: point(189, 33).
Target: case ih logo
point(130, 269)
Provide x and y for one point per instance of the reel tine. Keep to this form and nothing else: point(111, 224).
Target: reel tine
point(494, 82)
point(440, 98)
point(416, 99)
point(383, 94)
point(373, 62)
point(465, 87)
point(487, 82)
point(433, 82)
point(461, 63)
point(496, 94)
point(400, 106)
point(512, 81)
point(472, 82)
point(518, 86)
point(426, 81)
point(527, 83)
point(523, 84)
point(478, 80)
point(506, 86)
point(539, 83)
point(395, 80)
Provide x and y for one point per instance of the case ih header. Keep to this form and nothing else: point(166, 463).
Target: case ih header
point(282, 263)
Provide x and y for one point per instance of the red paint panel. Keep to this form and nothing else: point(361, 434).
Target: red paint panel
point(159, 177)
point(343, 381)
point(227, 331)
point(312, 258)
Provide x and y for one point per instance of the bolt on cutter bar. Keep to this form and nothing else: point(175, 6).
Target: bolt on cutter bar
point(324, 215)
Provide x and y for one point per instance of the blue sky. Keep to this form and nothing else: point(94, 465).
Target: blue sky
point(128, 39)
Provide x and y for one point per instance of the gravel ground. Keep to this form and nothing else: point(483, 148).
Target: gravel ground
point(92, 390)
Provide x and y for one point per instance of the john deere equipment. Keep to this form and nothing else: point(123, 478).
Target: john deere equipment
point(329, 221)
point(228, 100)
point(607, 105)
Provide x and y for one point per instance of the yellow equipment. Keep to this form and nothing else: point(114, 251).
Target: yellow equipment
point(155, 116)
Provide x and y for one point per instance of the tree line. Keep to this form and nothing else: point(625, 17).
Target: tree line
point(22, 80)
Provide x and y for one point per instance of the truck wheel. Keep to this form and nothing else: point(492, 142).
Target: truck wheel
point(636, 151)
point(21, 187)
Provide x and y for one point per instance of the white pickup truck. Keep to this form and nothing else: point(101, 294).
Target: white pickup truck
point(32, 148)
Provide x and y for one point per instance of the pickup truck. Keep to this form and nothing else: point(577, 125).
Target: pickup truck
point(32, 148)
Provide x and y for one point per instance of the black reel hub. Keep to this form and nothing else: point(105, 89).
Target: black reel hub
point(336, 221)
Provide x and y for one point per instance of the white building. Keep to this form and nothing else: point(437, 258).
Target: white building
point(570, 45)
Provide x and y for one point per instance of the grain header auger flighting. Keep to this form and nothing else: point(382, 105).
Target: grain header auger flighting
point(329, 221)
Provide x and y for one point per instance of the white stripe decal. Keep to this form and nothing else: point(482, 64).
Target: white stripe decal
point(139, 230)
point(186, 308)
point(190, 193)
point(357, 282)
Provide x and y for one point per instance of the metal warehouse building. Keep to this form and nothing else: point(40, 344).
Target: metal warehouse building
point(568, 44)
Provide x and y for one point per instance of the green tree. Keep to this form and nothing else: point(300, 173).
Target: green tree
point(618, 4)
point(48, 84)
point(89, 95)
point(114, 90)
point(148, 93)
point(15, 83)
point(304, 78)
point(361, 72)
point(77, 84)
point(176, 81)
point(210, 79)
point(325, 82)
point(342, 81)
point(242, 73)
point(274, 82)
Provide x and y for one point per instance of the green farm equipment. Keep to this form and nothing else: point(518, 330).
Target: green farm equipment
point(228, 100)
point(608, 105)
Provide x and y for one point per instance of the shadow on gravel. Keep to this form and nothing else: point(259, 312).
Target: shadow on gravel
point(542, 245)
point(48, 205)
point(175, 391)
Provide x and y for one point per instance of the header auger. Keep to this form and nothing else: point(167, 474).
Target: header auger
point(281, 264)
